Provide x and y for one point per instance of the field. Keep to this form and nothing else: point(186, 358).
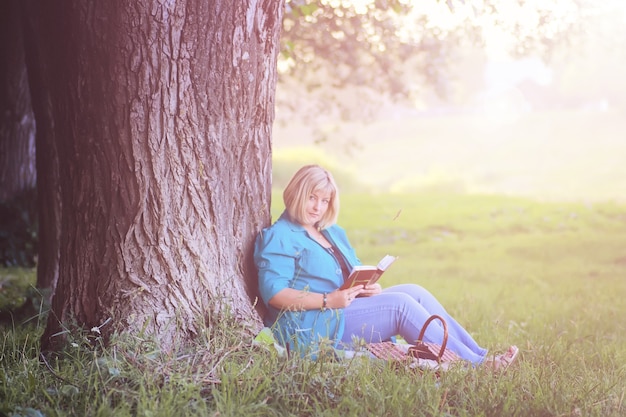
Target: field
point(549, 277)
point(572, 155)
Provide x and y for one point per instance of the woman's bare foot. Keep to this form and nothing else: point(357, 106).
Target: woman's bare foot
point(501, 362)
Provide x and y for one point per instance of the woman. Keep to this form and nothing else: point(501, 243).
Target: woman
point(303, 259)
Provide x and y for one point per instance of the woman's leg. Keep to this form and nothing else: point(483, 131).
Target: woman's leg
point(433, 306)
point(403, 310)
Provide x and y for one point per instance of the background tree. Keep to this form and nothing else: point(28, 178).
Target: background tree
point(17, 124)
point(38, 60)
point(162, 117)
point(18, 225)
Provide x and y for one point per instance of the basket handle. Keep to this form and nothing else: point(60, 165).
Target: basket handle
point(445, 333)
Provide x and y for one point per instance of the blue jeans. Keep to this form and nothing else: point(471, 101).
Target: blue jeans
point(403, 310)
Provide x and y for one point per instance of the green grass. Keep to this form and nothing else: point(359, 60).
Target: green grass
point(549, 277)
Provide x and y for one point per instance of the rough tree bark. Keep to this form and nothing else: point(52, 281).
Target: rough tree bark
point(17, 123)
point(162, 115)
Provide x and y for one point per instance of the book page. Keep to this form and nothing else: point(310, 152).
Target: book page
point(385, 262)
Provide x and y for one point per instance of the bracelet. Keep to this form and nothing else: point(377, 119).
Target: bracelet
point(325, 300)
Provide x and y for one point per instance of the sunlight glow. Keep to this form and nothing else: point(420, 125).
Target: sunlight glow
point(512, 22)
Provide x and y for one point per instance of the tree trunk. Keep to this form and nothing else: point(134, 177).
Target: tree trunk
point(47, 160)
point(162, 117)
point(17, 123)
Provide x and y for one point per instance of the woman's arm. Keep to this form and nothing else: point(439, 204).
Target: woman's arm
point(296, 300)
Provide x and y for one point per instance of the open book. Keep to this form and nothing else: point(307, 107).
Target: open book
point(367, 274)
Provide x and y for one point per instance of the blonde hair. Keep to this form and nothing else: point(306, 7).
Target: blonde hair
point(306, 181)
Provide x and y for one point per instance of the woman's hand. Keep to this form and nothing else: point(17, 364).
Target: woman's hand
point(370, 290)
point(343, 298)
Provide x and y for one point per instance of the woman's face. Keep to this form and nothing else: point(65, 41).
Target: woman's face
point(316, 206)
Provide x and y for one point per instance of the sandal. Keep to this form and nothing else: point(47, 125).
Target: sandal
point(503, 361)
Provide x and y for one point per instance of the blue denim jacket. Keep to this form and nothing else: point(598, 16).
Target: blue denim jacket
point(287, 257)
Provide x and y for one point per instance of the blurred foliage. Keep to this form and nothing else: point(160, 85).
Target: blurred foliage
point(402, 50)
point(328, 47)
point(352, 43)
point(19, 230)
point(18, 297)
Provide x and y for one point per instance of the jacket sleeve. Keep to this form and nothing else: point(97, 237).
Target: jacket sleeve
point(275, 262)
